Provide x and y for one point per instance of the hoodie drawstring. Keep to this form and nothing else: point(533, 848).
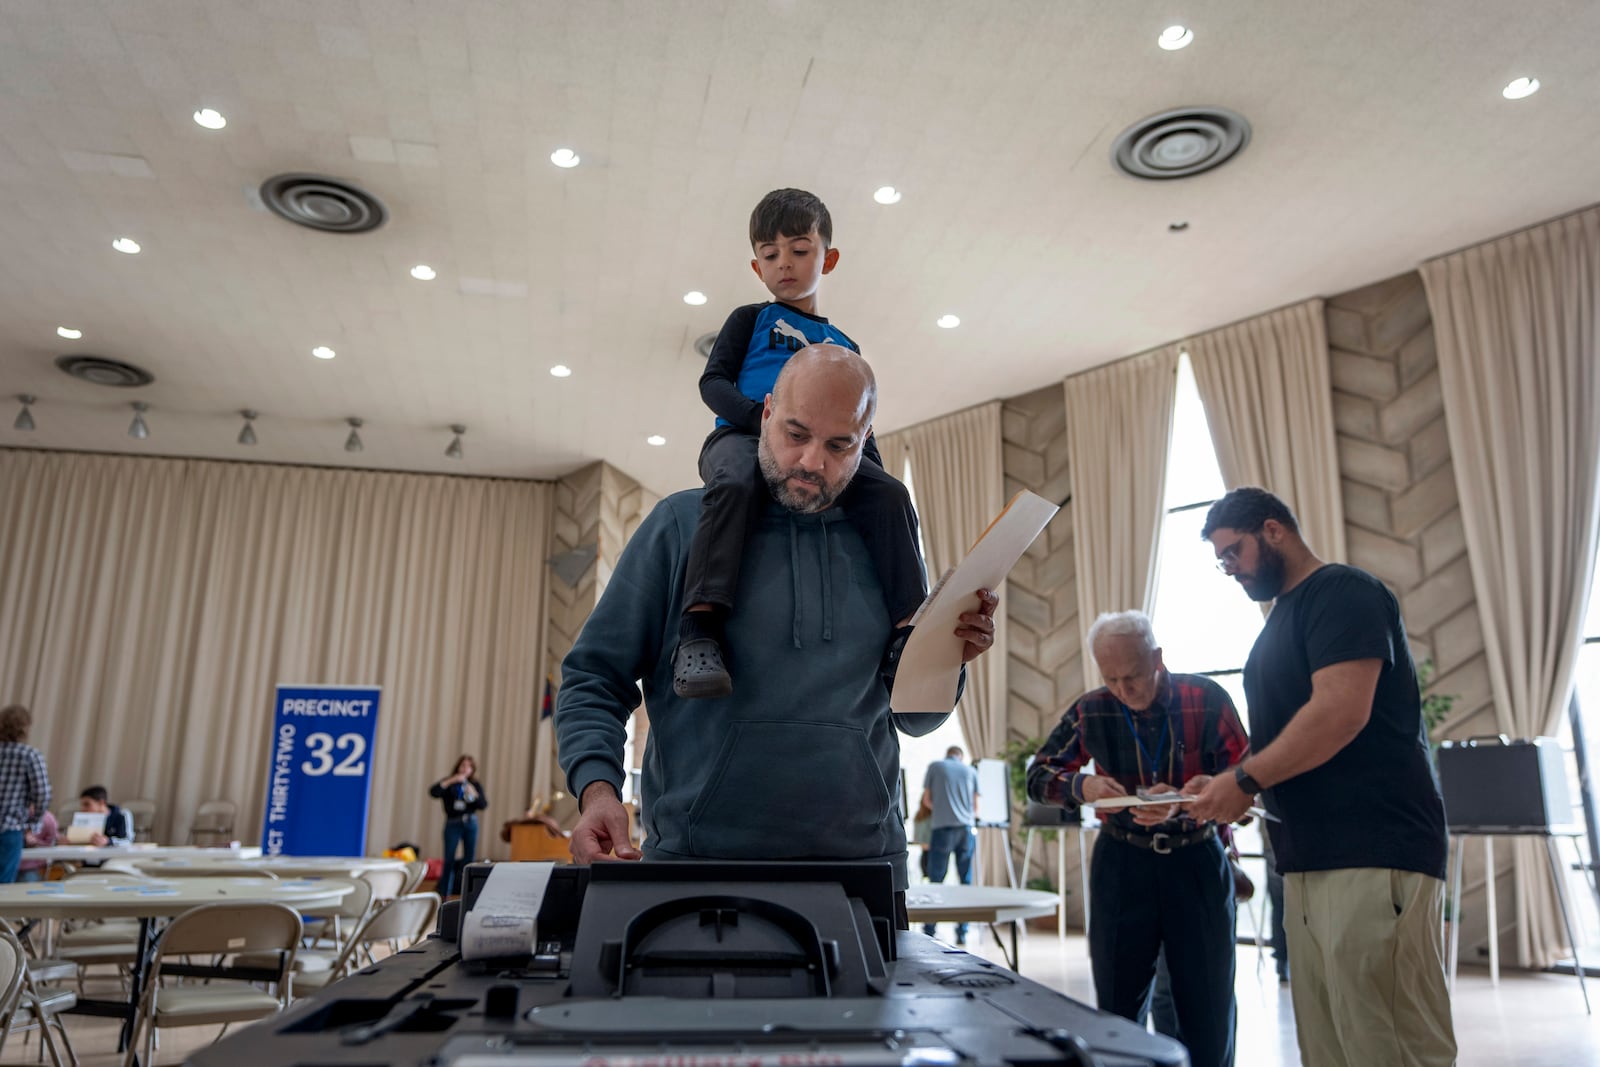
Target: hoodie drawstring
point(794, 578)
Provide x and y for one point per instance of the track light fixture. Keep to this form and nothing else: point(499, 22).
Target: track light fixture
point(137, 428)
point(25, 417)
point(454, 451)
point(247, 436)
point(353, 442)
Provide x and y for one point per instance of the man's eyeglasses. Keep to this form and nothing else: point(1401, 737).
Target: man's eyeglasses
point(1228, 558)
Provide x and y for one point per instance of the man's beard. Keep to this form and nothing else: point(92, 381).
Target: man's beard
point(778, 482)
point(1267, 581)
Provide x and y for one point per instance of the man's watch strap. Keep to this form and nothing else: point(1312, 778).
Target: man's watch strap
point(1250, 786)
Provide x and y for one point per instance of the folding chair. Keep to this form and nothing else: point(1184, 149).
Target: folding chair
point(217, 930)
point(404, 919)
point(213, 823)
point(416, 871)
point(141, 818)
point(38, 1005)
point(322, 951)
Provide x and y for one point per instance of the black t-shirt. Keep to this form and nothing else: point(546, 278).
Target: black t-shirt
point(1376, 803)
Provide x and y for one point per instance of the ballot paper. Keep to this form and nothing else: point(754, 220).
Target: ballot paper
point(504, 919)
point(929, 672)
point(85, 824)
point(1143, 799)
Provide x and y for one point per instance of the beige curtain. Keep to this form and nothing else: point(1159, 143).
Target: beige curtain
point(1517, 322)
point(956, 471)
point(149, 606)
point(1119, 425)
point(1268, 396)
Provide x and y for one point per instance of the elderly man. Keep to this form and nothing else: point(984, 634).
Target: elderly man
point(1341, 757)
point(1160, 880)
point(801, 762)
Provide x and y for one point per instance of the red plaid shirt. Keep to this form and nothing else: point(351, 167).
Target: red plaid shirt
point(1205, 737)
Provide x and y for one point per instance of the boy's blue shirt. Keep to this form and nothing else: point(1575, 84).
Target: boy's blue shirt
point(752, 347)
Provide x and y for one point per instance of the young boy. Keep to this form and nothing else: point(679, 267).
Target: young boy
point(792, 236)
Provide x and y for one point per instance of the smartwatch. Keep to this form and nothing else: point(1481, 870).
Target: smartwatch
point(1250, 786)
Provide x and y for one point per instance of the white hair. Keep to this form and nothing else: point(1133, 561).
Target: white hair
point(1123, 624)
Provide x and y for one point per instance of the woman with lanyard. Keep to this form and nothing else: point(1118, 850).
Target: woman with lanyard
point(463, 798)
point(1159, 882)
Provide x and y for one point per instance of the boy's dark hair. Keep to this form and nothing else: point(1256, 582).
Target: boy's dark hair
point(790, 213)
point(96, 793)
point(1247, 509)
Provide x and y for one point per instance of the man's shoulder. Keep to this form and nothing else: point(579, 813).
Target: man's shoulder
point(1201, 683)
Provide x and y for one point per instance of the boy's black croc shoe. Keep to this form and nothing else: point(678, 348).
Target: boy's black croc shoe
point(698, 672)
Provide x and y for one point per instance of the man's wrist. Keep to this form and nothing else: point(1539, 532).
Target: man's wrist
point(593, 789)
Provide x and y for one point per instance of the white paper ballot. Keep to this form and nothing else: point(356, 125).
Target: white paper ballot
point(504, 919)
point(85, 824)
point(930, 667)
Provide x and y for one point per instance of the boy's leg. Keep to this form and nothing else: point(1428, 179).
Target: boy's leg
point(880, 509)
point(734, 489)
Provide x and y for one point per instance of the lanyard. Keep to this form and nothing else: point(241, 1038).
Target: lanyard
point(1144, 753)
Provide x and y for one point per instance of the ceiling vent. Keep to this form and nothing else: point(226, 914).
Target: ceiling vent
point(704, 344)
point(321, 203)
point(102, 371)
point(1181, 143)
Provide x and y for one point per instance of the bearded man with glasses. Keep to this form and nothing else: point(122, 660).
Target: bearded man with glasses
point(1340, 755)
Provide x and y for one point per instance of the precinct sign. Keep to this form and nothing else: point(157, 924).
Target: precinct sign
point(319, 780)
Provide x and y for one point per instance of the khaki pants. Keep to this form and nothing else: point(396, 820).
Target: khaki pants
point(1366, 968)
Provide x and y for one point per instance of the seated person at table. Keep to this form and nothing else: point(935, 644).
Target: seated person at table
point(43, 835)
point(118, 829)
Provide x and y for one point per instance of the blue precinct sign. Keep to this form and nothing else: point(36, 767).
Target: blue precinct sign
point(319, 779)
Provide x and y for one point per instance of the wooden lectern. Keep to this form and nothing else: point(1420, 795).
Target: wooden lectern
point(534, 840)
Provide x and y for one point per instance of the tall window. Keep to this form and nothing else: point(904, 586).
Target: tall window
point(1587, 689)
point(1202, 618)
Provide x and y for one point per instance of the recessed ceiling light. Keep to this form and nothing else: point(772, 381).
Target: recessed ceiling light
point(1520, 88)
point(949, 322)
point(655, 439)
point(564, 157)
point(695, 297)
point(126, 245)
point(424, 273)
point(1175, 37)
point(323, 352)
point(69, 333)
point(210, 118)
point(887, 194)
point(561, 370)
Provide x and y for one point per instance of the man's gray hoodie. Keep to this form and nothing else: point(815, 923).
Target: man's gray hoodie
point(802, 761)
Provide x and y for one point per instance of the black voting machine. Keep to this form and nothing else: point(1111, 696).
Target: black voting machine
point(696, 965)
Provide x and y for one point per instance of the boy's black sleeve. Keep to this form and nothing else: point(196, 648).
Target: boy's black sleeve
point(719, 385)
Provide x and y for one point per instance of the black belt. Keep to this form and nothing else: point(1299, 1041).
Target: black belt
point(1161, 844)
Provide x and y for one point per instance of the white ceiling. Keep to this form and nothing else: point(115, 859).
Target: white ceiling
point(1380, 139)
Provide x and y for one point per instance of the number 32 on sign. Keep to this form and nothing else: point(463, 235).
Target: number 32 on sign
point(319, 779)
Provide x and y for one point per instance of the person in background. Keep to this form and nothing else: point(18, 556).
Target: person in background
point(462, 795)
point(24, 787)
point(42, 836)
point(950, 792)
point(118, 828)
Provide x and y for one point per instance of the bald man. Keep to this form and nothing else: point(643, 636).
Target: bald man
point(802, 761)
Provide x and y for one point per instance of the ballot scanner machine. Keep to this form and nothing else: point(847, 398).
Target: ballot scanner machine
point(688, 965)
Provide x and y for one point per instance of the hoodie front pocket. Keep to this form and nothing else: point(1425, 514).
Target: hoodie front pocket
point(791, 790)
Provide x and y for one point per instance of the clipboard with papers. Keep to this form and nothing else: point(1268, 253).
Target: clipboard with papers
point(929, 673)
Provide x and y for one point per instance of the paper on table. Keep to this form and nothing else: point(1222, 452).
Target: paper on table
point(504, 919)
point(930, 666)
